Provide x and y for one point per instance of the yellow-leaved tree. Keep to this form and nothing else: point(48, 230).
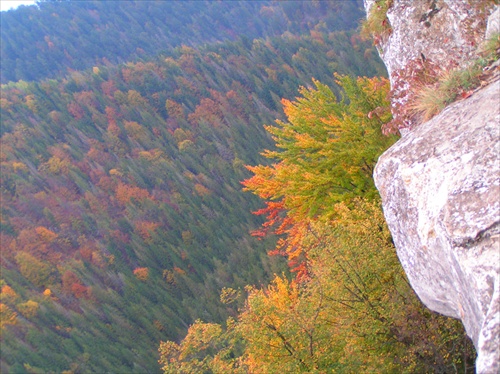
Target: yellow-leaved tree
point(325, 155)
point(349, 308)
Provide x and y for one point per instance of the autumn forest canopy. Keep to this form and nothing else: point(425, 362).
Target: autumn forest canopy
point(186, 187)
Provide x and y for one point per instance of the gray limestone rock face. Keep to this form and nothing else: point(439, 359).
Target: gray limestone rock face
point(440, 183)
point(431, 36)
point(440, 187)
point(493, 26)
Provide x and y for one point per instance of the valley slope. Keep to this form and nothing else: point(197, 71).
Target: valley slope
point(122, 215)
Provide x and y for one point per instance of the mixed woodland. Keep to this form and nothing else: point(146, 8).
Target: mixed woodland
point(186, 187)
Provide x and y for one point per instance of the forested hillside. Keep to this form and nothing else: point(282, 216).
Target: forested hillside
point(349, 308)
point(122, 215)
point(56, 37)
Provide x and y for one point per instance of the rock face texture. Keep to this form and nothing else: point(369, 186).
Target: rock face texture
point(427, 37)
point(440, 189)
point(440, 183)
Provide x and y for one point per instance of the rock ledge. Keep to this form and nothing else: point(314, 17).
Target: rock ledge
point(440, 189)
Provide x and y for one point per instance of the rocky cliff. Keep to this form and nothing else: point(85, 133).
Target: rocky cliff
point(422, 39)
point(440, 183)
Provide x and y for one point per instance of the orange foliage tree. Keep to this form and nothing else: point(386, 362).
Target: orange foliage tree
point(141, 273)
point(145, 229)
point(125, 193)
point(325, 155)
point(72, 285)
